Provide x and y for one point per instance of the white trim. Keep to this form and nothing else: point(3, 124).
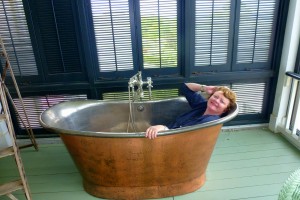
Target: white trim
point(293, 139)
point(244, 127)
point(288, 59)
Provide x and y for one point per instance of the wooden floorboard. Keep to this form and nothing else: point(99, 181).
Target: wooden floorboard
point(246, 164)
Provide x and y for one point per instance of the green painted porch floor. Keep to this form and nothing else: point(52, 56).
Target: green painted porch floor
point(248, 164)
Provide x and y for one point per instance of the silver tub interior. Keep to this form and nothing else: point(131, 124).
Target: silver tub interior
point(110, 116)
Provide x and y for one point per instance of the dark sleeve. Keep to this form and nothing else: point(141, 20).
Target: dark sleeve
point(194, 98)
point(210, 118)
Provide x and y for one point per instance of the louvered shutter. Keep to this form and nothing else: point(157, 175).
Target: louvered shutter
point(155, 95)
point(159, 33)
point(35, 105)
point(212, 23)
point(58, 33)
point(255, 32)
point(113, 35)
point(15, 35)
point(250, 97)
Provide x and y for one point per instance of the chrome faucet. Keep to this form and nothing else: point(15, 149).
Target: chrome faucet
point(137, 81)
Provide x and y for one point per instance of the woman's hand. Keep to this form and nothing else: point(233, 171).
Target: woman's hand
point(210, 89)
point(203, 88)
point(152, 131)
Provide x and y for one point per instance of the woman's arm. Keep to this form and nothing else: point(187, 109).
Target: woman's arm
point(203, 88)
point(195, 87)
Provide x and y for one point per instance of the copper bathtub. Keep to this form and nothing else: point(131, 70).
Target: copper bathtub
point(115, 159)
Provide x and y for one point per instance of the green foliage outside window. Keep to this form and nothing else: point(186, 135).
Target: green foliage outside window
point(159, 42)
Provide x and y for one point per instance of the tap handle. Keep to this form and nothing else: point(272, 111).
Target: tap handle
point(149, 82)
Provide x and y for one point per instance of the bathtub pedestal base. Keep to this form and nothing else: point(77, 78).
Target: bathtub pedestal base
point(134, 193)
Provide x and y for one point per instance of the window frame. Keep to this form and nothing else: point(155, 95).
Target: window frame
point(255, 66)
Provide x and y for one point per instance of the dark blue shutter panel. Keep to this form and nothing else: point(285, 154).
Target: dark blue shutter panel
point(59, 41)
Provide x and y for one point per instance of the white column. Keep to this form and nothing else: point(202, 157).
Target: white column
point(287, 63)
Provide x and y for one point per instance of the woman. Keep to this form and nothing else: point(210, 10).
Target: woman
point(221, 100)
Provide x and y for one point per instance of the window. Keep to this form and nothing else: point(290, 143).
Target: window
point(250, 97)
point(35, 105)
point(15, 36)
point(113, 35)
point(42, 43)
point(255, 31)
point(155, 95)
point(116, 26)
point(251, 25)
point(159, 33)
point(212, 23)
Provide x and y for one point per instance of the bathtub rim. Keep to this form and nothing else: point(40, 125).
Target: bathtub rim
point(222, 120)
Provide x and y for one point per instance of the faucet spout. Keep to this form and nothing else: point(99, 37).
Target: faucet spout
point(149, 82)
point(136, 81)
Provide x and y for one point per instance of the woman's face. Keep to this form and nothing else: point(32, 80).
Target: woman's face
point(217, 104)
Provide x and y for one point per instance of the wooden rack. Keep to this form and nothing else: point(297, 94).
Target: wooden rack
point(21, 184)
